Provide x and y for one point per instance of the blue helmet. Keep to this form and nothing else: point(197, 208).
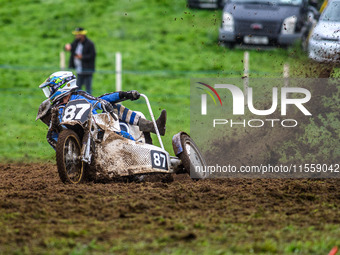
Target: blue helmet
point(58, 85)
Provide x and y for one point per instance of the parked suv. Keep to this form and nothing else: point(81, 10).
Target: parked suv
point(265, 22)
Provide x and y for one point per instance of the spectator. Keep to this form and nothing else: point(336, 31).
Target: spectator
point(83, 55)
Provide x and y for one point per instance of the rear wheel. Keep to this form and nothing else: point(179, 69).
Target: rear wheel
point(68, 154)
point(192, 158)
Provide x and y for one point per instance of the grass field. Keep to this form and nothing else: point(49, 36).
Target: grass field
point(163, 44)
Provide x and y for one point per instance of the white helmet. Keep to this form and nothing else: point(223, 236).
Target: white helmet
point(58, 85)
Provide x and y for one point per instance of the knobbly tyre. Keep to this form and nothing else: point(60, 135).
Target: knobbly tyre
point(90, 148)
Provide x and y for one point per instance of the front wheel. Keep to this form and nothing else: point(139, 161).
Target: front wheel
point(192, 158)
point(68, 154)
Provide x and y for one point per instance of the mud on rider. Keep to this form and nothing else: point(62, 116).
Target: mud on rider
point(60, 88)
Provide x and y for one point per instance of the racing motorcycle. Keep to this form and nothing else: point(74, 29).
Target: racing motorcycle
point(92, 147)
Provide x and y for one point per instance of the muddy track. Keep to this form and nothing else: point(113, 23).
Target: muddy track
point(39, 214)
point(38, 205)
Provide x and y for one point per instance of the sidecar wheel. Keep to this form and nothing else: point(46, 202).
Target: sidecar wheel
point(192, 158)
point(68, 154)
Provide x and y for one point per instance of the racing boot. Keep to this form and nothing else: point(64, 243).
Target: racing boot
point(147, 125)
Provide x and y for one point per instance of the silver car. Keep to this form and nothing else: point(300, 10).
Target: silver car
point(324, 43)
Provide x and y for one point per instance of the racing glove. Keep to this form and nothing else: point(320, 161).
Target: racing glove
point(132, 94)
point(107, 107)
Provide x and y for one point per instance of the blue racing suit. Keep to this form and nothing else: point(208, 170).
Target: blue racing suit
point(123, 113)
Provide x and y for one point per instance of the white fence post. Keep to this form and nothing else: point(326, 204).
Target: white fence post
point(286, 74)
point(245, 75)
point(118, 71)
point(62, 60)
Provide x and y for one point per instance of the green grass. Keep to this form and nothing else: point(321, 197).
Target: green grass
point(292, 239)
point(163, 44)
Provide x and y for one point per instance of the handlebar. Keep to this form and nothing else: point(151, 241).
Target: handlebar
point(153, 120)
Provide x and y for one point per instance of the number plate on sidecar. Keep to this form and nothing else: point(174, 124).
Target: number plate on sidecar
point(159, 160)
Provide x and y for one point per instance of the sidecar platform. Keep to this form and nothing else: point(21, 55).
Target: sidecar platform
point(118, 156)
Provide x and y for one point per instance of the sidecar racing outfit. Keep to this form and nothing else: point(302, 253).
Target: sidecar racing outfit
point(60, 88)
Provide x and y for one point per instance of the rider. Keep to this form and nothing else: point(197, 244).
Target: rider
point(60, 88)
